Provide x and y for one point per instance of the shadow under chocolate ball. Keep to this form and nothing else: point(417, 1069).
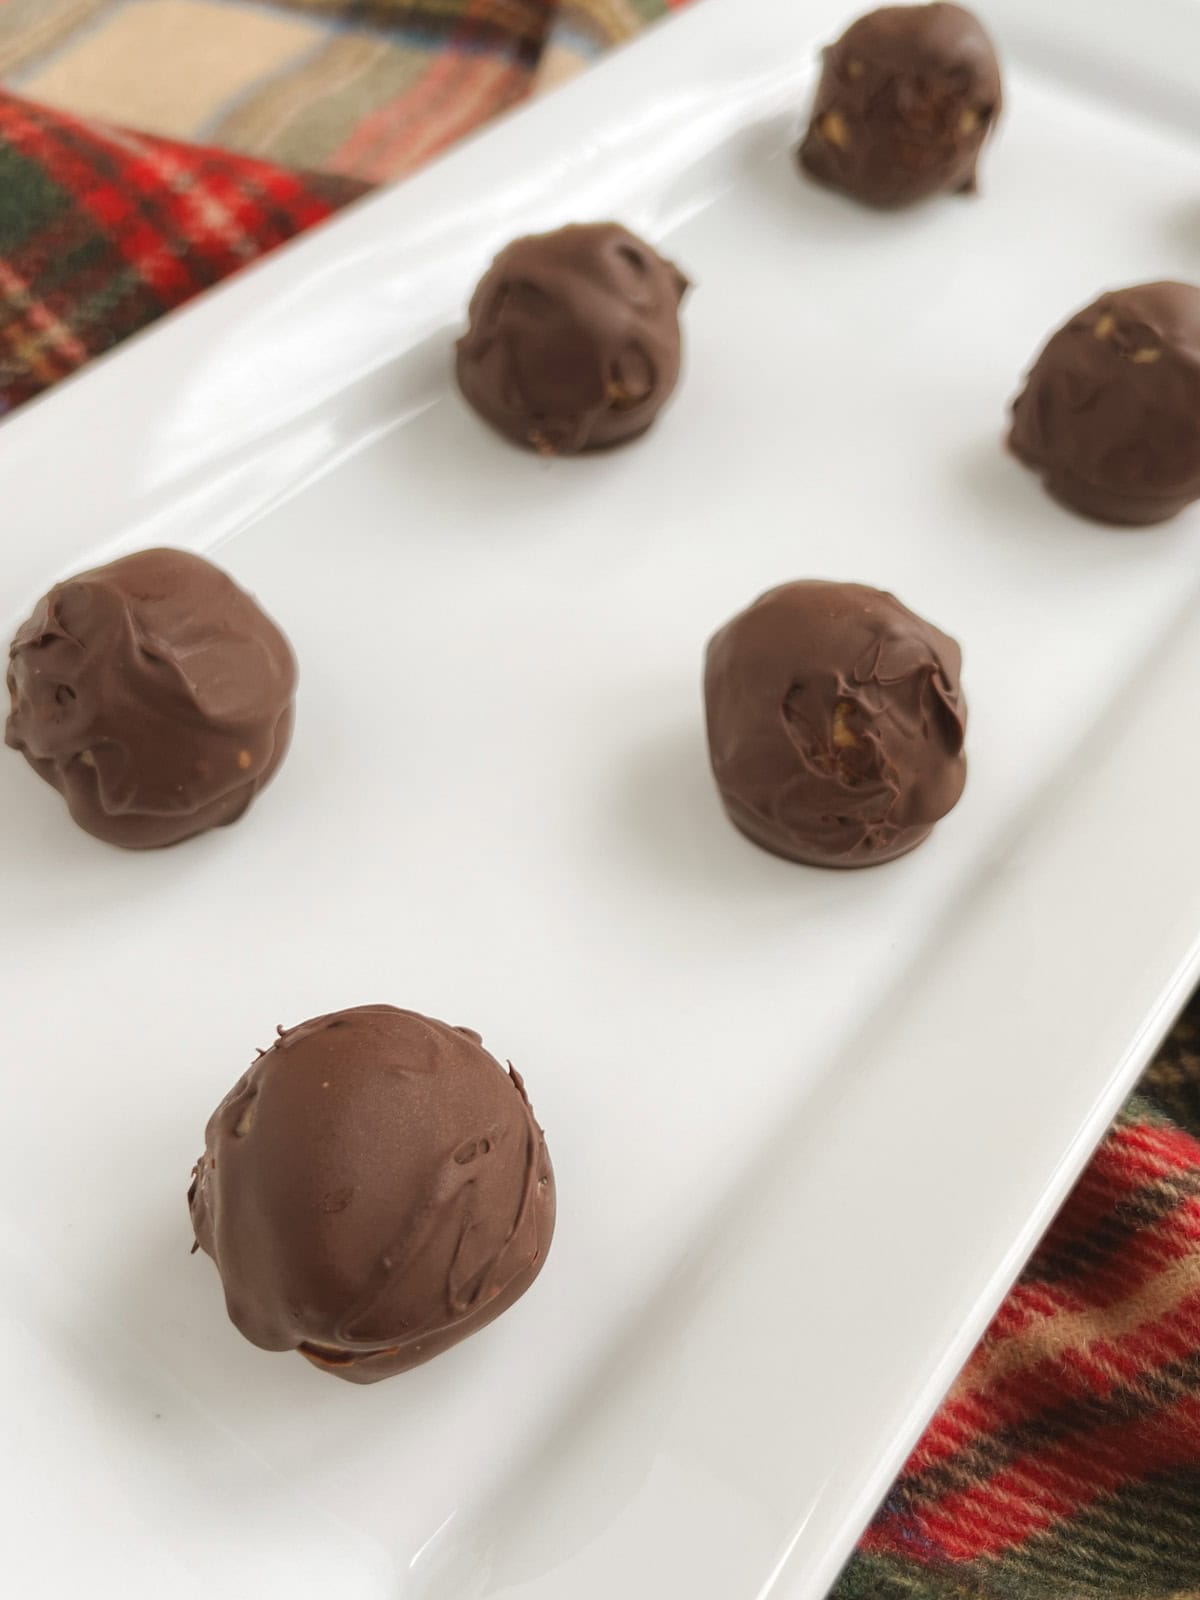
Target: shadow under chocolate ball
point(908, 95)
point(835, 723)
point(573, 339)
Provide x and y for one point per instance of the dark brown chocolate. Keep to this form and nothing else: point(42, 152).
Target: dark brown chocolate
point(1110, 413)
point(907, 97)
point(835, 723)
point(373, 1190)
point(154, 694)
point(573, 339)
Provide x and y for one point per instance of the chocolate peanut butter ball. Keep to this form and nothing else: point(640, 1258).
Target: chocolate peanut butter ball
point(1110, 414)
point(154, 694)
point(373, 1190)
point(835, 723)
point(907, 97)
point(573, 339)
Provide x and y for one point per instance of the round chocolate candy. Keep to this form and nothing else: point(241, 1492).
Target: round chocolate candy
point(373, 1190)
point(835, 723)
point(1110, 413)
point(154, 694)
point(907, 97)
point(573, 339)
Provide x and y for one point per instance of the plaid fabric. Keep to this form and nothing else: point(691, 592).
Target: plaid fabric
point(292, 107)
point(1066, 1462)
point(102, 231)
point(365, 88)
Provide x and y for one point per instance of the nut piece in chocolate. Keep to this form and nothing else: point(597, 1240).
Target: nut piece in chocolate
point(373, 1190)
point(154, 694)
point(573, 339)
point(835, 723)
point(1110, 413)
point(907, 97)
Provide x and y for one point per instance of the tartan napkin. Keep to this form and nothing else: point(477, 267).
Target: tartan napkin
point(102, 230)
point(1066, 1461)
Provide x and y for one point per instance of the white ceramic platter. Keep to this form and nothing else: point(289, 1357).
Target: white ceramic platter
point(806, 1125)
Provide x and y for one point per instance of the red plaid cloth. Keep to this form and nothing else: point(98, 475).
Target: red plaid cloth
point(101, 231)
point(1066, 1462)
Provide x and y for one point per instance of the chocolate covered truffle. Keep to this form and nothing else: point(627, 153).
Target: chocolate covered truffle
point(154, 694)
point(573, 339)
point(835, 723)
point(906, 99)
point(373, 1190)
point(1110, 414)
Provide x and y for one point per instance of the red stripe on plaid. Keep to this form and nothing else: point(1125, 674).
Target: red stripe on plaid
point(1024, 1390)
point(1039, 1492)
point(52, 146)
point(1091, 1369)
point(405, 132)
point(121, 228)
point(1132, 1160)
point(174, 203)
point(1147, 1254)
point(1057, 1478)
point(391, 122)
point(119, 182)
point(1135, 1156)
point(479, 95)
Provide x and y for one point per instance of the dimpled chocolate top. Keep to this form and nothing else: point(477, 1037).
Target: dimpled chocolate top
point(573, 338)
point(373, 1190)
point(1110, 414)
point(154, 694)
point(835, 723)
point(906, 99)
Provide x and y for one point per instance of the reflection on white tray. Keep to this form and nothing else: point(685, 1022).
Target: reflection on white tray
point(805, 1125)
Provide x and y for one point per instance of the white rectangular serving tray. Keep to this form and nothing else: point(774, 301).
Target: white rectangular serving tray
point(806, 1126)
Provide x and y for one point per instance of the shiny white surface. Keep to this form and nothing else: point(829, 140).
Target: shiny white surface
point(806, 1126)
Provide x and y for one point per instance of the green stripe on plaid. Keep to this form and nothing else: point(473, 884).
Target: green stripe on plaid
point(29, 201)
point(1138, 1545)
point(1172, 1084)
point(893, 1578)
point(1144, 1541)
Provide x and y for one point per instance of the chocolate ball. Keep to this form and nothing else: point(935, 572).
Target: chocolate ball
point(906, 99)
point(373, 1190)
point(1110, 414)
point(835, 723)
point(154, 694)
point(573, 339)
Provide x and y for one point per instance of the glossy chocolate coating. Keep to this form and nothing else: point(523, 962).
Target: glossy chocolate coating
point(906, 99)
point(1110, 414)
point(373, 1190)
point(835, 723)
point(573, 338)
point(154, 694)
